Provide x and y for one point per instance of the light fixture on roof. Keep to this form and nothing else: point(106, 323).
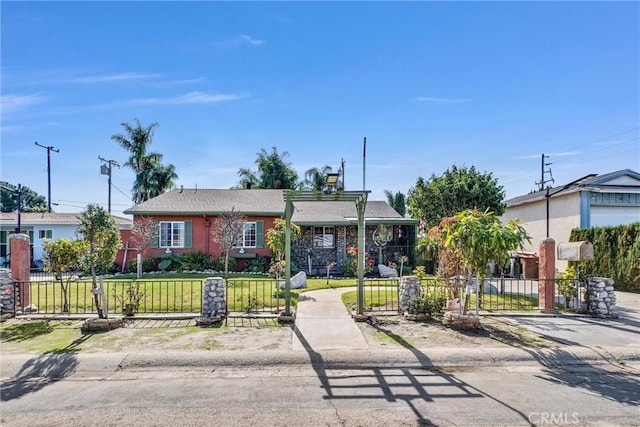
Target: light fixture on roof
point(332, 181)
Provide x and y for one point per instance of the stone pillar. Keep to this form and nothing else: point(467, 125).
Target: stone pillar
point(21, 265)
point(601, 297)
point(7, 296)
point(547, 275)
point(214, 304)
point(409, 289)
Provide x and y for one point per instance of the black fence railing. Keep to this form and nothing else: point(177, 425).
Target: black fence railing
point(264, 297)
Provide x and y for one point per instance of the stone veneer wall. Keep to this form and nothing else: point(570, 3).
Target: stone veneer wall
point(409, 289)
point(7, 295)
point(600, 296)
point(214, 303)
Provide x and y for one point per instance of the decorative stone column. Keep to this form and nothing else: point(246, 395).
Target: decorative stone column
point(409, 289)
point(547, 275)
point(21, 265)
point(601, 297)
point(214, 304)
point(7, 296)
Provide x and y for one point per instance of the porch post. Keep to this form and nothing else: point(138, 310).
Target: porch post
point(287, 255)
point(361, 204)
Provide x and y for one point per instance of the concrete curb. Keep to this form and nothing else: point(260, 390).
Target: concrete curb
point(98, 364)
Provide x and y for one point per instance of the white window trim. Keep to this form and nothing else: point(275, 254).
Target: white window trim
point(255, 235)
point(182, 236)
point(324, 233)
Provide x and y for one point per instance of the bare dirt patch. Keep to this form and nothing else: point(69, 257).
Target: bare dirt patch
point(395, 332)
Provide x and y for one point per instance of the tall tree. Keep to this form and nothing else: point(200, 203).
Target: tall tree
point(458, 189)
point(31, 201)
point(316, 178)
point(274, 172)
point(396, 201)
point(152, 178)
point(98, 228)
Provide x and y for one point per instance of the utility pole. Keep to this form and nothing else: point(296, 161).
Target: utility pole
point(106, 170)
point(49, 150)
point(543, 181)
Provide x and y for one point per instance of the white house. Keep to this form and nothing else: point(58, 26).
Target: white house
point(591, 201)
point(41, 226)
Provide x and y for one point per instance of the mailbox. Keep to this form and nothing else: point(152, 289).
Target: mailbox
point(575, 251)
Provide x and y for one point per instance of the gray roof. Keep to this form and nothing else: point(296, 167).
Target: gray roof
point(190, 201)
point(51, 218)
point(257, 202)
point(587, 182)
point(337, 213)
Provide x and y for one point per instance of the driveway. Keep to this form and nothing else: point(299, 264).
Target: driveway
point(592, 332)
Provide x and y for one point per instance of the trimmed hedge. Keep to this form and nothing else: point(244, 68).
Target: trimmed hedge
point(617, 254)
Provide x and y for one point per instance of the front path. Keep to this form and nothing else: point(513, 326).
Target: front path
point(323, 323)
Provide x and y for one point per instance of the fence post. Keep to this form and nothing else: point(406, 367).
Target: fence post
point(547, 275)
point(20, 266)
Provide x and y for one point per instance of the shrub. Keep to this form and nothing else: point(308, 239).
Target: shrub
point(147, 265)
point(428, 304)
point(197, 261)
point(257, 265)
point(218, 264)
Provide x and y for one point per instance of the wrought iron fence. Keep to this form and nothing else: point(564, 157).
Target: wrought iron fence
point(46, 296)
point(381, 295)
point(255, 297)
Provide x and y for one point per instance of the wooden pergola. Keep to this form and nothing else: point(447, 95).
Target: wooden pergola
point(360, 200)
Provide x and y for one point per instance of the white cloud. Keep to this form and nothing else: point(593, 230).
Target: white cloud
point(443, 101)
point(107, 78)
point(191, 98)
point(245, 39)
point(12, 103)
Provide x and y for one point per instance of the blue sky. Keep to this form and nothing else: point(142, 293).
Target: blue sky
point(430, 84)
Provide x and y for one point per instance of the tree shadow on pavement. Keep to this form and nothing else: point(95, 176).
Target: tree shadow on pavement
point(38, 373)
point(612, 380)
point(415, 384)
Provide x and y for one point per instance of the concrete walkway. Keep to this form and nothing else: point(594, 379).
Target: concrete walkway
point(323, 323)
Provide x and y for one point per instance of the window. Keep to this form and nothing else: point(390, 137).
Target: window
point(46, 234)
point(172, 234)
point(323, 237)
point(249, 235)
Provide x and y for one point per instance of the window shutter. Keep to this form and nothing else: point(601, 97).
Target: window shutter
point(155, 242)
point(259, 234)
point(188, 234)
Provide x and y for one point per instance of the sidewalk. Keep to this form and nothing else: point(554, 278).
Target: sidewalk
point(325, 334)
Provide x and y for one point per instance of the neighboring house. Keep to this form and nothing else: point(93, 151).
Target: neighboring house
point(591, 201)
point(186, 217)
point(44, 226)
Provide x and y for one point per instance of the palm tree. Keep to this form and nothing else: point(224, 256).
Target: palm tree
point(315, 178)
point(274, 172)
point(152, 177)
point(396, 201)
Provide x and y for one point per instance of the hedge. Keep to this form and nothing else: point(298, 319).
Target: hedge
point(617, 254)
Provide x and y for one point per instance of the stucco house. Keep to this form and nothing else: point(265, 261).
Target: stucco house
point(328, 228)
point(591, 201)
point(45, 226)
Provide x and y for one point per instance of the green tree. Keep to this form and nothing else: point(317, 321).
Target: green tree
point(456, 190)
point(100, 231)
point(479, 238)
point(274, 172)
point(31, 201)
point(63, 257)
point(396, 201)
point(152, 177)
point(276, 238)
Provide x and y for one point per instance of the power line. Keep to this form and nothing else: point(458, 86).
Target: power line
point(604, 138)
point(616, 145)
